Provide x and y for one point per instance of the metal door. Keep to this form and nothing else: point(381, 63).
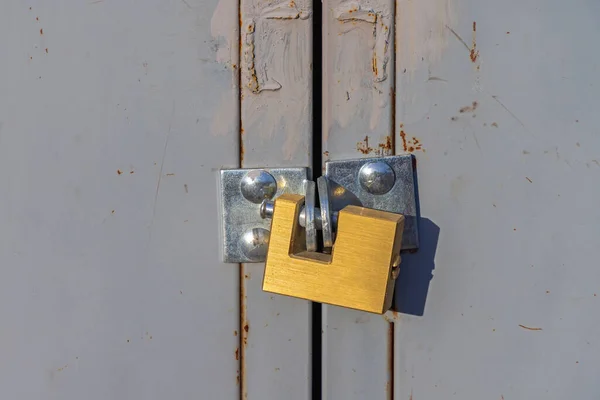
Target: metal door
point(115, 118)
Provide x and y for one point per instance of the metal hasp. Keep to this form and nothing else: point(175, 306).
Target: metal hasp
point(382, 183)
point(247, 202)
point(245, 235)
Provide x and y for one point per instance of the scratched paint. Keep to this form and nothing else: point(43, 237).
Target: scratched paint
point(276, 67)
point(358, 44)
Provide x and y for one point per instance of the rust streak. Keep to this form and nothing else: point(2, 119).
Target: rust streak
point(403, 136)
point(470, 108)
point(363, 146)
point(529, 328)
point(474, 53)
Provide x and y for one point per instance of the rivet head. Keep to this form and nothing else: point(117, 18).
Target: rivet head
point(377, 177)
point(255, 243)
point(258, 185)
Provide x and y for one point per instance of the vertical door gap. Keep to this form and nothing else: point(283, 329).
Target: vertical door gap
point(317, 170)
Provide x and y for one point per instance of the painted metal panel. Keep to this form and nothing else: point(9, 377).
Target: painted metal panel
point(358, 82)
point(276, 78)
point(501, 98)
point(110, 139)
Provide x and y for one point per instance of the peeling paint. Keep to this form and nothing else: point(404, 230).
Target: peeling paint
point(276, 56)
point(352, 11)
point(381, 32)
point(285, 10)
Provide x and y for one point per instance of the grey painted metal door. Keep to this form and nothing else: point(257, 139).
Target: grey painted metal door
point(116, 116)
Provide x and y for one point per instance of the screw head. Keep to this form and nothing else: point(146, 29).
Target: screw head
point(377, 177)
point(258, 185)
point(255, 243)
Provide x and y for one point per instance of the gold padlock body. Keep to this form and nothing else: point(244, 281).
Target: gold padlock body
point(358, 273)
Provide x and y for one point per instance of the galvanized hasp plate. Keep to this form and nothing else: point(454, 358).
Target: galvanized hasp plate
point(381, 183)
point(245, 235)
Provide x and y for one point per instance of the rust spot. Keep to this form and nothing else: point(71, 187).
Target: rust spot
point(119, 172)
point(112, 212)
point(37, 18)
point(31, 58)
point(46, 50)
point(127, 340)
point(495, 124)
point(237, 378)
point(246, 328)
point(247, 276)
point(454, 119)
point(474, 53)
point(530, 181)
point(326, 153)
point(237, 353)
point(41, 31)
point(363, 146)
point(529, 328)
point(171, 174)
point(374, 64)
point(470, 108)
point(403, 137)
point(131, 172)
point(386, 148)
point(547, 291)
point(234, 333)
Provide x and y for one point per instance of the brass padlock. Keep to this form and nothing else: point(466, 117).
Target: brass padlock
point(359, 273)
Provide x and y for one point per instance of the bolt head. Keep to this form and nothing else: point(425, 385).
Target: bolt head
point(377, 177)
point(255, 243)
point(258, 185)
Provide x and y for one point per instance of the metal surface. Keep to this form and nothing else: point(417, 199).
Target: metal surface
point(240, 217)
point(254, 244)
point(276, 131)
point(258, 185)
point(400, 198)
point(501, 299)
point(376, 177)
point(358, 122)
point(111, 133)
point(266, 209)
point(310, 229)
point(358, 274)
point(325, 212)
